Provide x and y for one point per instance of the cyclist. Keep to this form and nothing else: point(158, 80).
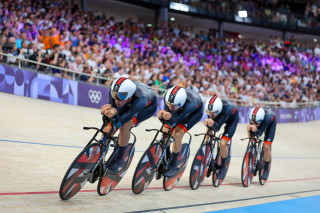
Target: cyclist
point(222, 112)
point(130, 103)
point(183, 108)
point(263, 120)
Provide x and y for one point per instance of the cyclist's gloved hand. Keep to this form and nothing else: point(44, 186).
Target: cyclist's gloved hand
point(252, 134)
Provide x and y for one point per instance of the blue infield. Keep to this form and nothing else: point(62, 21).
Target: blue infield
point(299, 205)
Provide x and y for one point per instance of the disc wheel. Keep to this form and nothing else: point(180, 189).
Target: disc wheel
point(215, 181)
point(145, 170)
point(79, 172)
point(200, 166)
point(170, 182)
point(247, 164)
point(110, 180)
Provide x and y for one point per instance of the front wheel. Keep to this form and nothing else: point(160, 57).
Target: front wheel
point(80, 171)
point(200, 166)
point(247, 164)
point(146, 168)
point(111, 180)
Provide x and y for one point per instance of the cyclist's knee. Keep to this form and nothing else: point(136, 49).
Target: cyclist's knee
point(267, 146)
point(127, 126)
point(178, 133)
point(224, 142)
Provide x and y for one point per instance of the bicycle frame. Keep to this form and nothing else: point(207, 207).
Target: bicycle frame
point(257, 144)
point(104, 146)
point(166, 138)
point(212, 138)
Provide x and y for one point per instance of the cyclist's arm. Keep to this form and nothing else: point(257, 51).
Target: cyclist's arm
point(262, 127)
point(217, 124)
point(111, 100)
point(133, 111)
point(179, 115)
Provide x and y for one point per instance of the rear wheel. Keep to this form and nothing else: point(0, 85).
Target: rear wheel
point(145, 170)
point(111, 180)
point(79, 172)
point(200, 166)
point(261, 168)
point(170, 182)
point(217, 182)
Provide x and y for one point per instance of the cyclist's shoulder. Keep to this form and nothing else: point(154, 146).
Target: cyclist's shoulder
point(269, 112)
point(143, 89)
point(192, 95)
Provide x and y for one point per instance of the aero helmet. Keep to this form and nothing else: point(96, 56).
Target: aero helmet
point(176, 96)
point(122, 88)
point(257, 115)
point(213, 104)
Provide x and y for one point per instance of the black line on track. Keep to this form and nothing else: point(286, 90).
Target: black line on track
point(220, 202)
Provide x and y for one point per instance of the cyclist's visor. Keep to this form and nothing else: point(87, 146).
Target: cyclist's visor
point(119, 95)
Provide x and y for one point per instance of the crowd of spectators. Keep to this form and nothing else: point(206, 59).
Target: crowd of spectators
point(160, 56)
point(303, 13)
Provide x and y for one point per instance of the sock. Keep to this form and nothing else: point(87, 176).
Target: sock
point(174, 158)
point(223, 162)
point(122, 149)
point(266, 165)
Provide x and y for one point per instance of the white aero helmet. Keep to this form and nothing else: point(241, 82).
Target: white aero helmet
point(213, 104)
point(176, 96)
point(122, 88)
point(257, 115)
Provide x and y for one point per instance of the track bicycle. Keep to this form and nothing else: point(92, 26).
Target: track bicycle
point(155, 161)
point(90, 164)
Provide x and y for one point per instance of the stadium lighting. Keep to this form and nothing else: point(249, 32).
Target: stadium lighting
point(242, 14)
point(179, 6)
point(315, 40)
point(149, 25)
point(240, 36)
point(172, 19)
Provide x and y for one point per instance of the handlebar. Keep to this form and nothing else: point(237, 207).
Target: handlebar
point(106, 119)
point(161, 119)
point(253, 138)
point(149, 130)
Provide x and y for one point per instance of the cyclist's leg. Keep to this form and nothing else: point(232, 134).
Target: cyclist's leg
point(124, 134)
point(269, 136)
point(228, 133)
point(226, 137)
point(185, 126)
point(178, 134)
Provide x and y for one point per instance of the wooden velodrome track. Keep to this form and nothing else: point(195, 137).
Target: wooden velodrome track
point(39, 140)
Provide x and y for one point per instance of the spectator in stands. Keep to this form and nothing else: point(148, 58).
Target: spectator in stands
point(87, 70)
point(23, 37)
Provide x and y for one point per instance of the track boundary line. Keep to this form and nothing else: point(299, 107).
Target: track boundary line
point(151, 188)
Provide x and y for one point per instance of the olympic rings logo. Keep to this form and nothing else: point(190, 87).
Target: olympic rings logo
point(95, 96)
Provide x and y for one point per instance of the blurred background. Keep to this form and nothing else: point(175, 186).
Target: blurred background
point(263, 52)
